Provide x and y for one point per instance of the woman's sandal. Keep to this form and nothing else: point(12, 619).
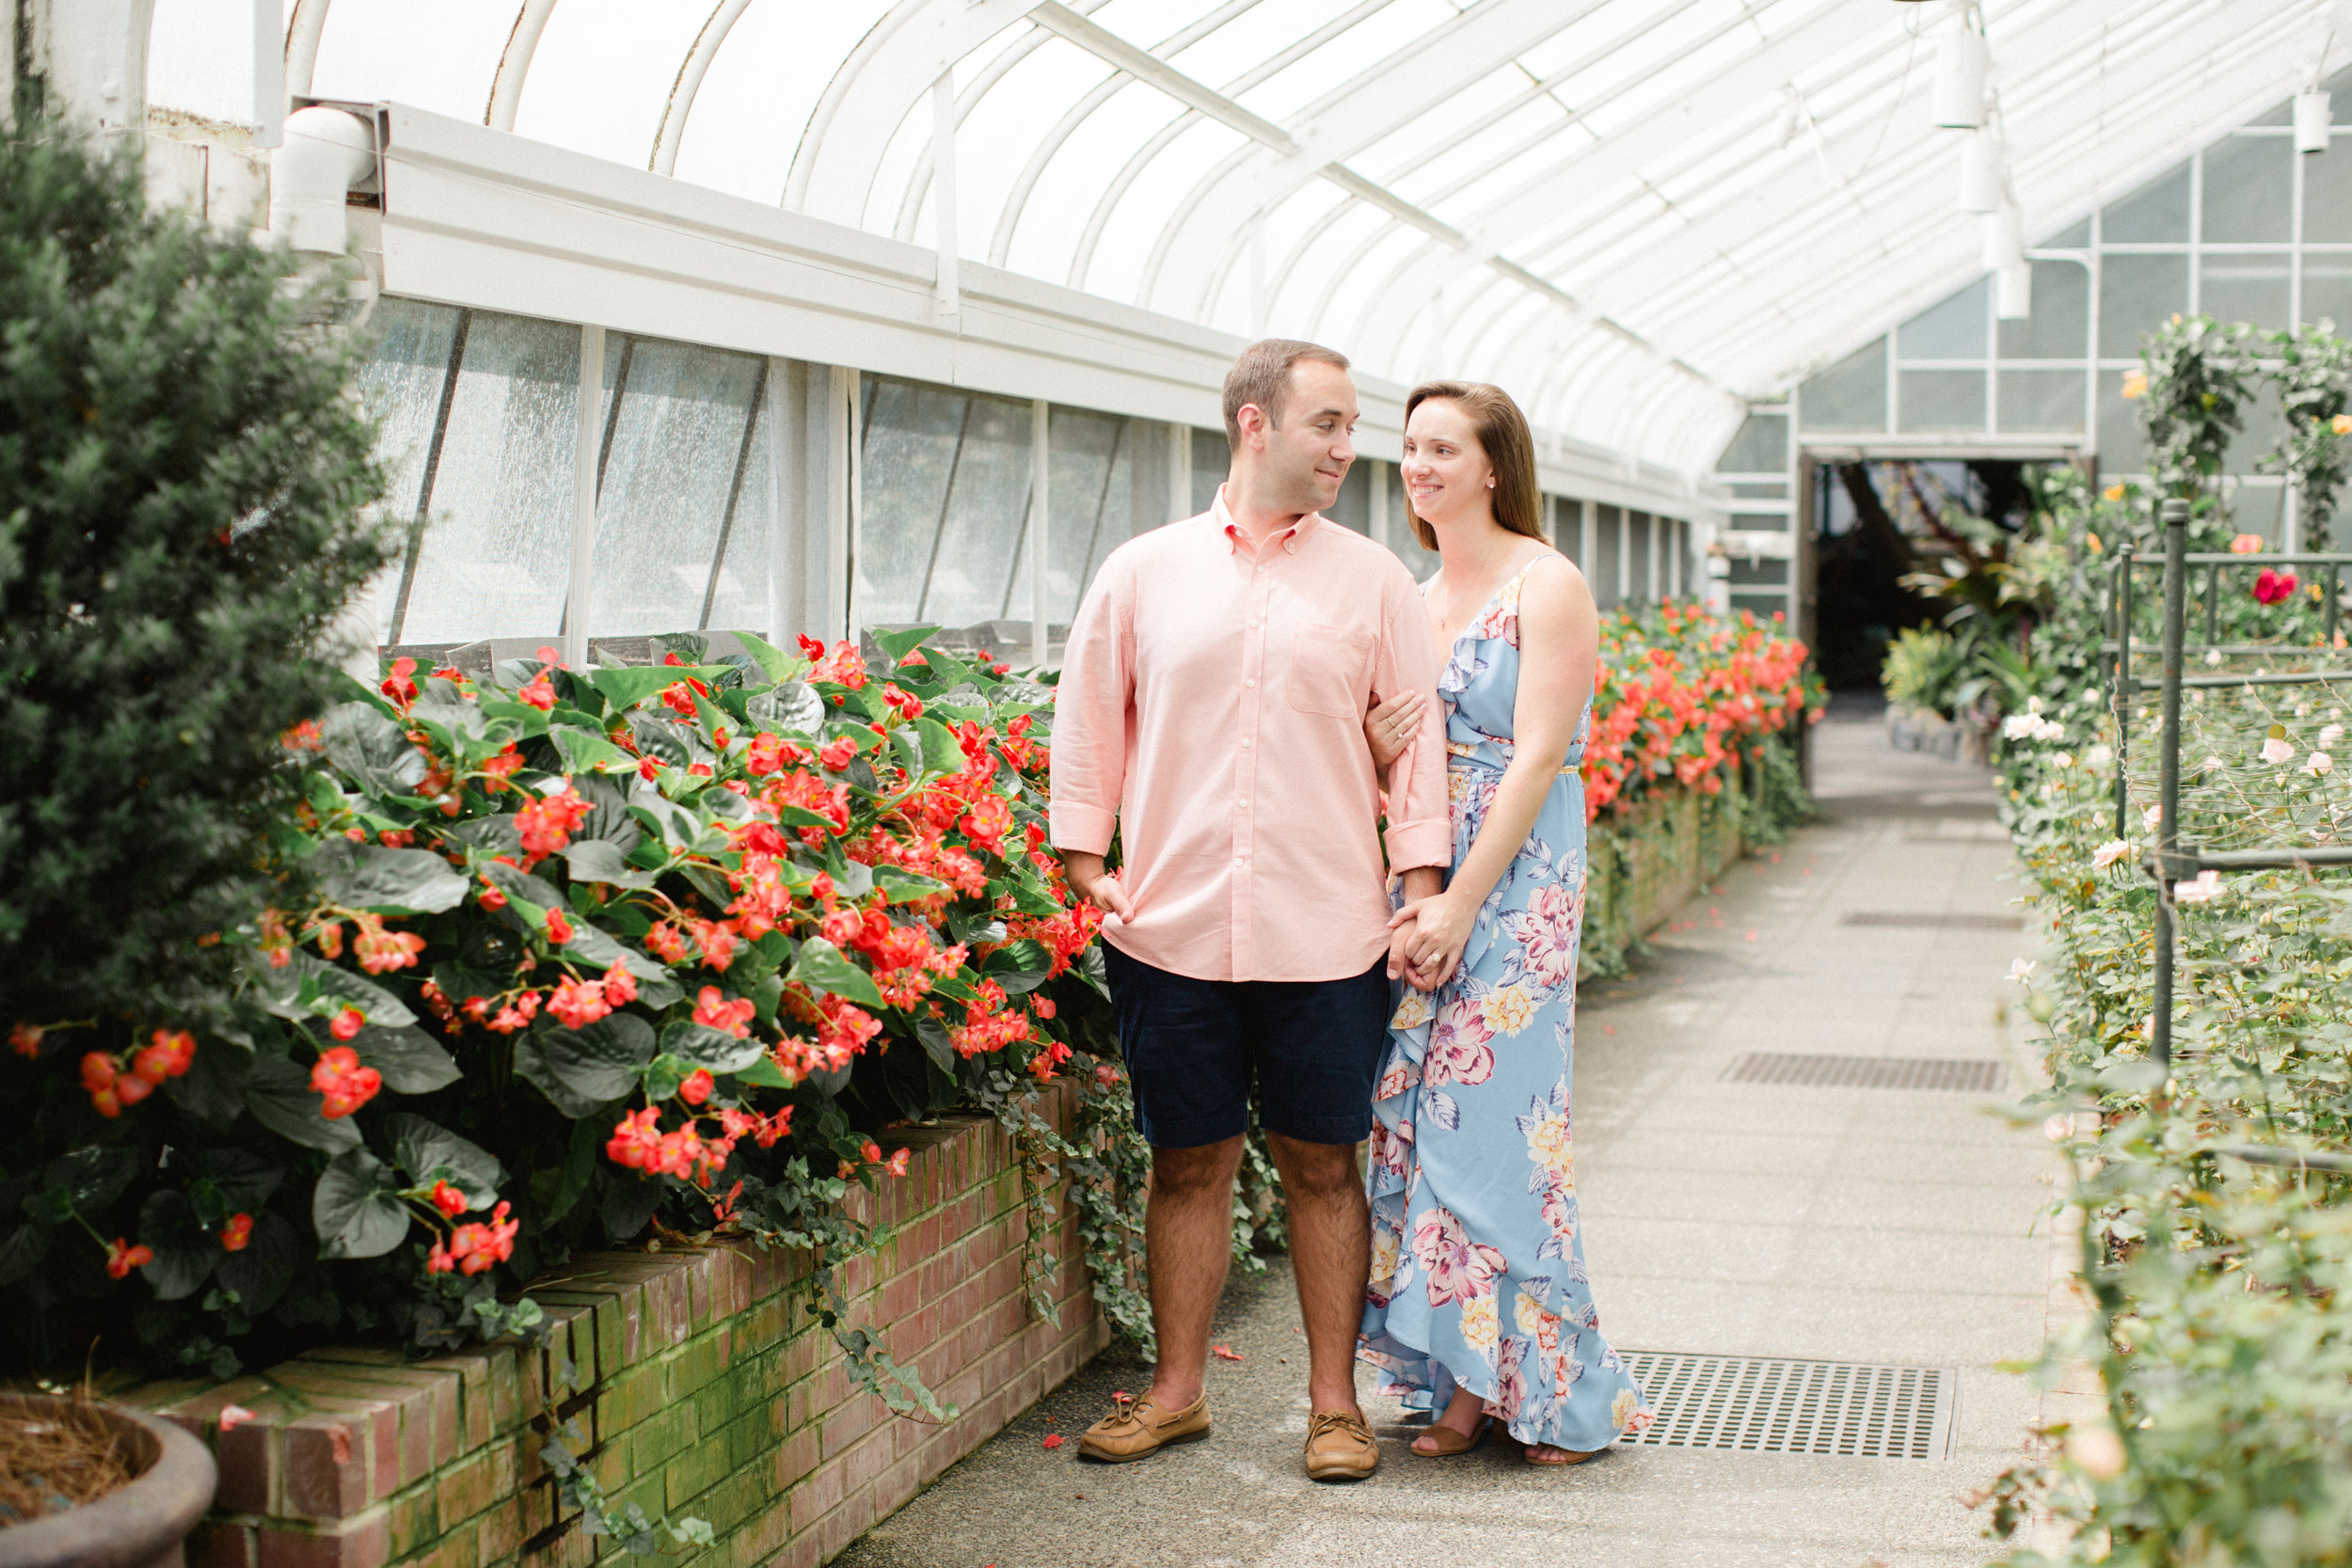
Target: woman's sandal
point(1448, 1441)
point(1533, 1454)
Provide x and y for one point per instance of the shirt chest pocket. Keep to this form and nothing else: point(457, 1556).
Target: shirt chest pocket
point(1329, 669)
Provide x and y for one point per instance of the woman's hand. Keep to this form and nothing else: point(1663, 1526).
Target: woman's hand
point(1391, 727)
point(1440, 929)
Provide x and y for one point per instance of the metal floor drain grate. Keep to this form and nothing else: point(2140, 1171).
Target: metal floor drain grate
point(1932, 922)
point(1868, 1072)
point(1761, 1404)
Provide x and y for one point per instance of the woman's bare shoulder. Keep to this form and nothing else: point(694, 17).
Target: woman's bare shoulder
point(1554, 586)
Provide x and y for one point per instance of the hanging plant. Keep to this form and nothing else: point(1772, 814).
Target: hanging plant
point(2313, 376)
point(2191, 391)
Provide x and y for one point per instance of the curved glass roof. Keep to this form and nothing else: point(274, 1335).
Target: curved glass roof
point(1635, 214)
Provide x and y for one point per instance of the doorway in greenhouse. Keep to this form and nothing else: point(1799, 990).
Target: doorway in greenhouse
point(1908, 555)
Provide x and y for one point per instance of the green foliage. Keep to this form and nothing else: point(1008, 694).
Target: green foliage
point(2313, 376)
point(2191, 391)
point(1929, 668)
point(2221, 1326)
point(181, 479)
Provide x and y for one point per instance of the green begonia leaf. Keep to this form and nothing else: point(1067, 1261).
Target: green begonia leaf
point(823, 966)
point(408, 1058)
point(580, 1071)
point(372, 750)
point(387, 881)
point(357, 1208)
point(597, 860)
point(714, 1049)
point(430, 1153)
point(280, 1097)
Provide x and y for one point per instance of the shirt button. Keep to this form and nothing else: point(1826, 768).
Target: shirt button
point(1244, 745)
point(1249, 683)
point(1253, 625)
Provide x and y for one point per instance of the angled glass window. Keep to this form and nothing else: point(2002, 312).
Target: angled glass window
point(2041, 400)
point(2244, 288)
point(495, 555)
point(1850, 395)
point(2138, 293)
point(2156, 214)
point(1953, 329)
point(2250, 189)
point(1941, 399)
point(1761, 447)
point(2060, 326)
point(678, 426)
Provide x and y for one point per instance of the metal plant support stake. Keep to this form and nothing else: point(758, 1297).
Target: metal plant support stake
point(2174, 857)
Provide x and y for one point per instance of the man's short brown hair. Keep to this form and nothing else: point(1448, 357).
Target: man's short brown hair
point(1263, 376)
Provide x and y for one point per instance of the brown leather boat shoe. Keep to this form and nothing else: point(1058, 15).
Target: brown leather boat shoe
point(1137, 1429)
point(1339, 1447)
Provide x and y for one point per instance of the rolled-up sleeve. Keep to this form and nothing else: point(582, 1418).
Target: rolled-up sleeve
point(1090, 709)
point(1419, 832)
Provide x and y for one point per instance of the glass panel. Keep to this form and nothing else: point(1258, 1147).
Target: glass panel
point(2138, 293)
point(670, 465)
point(497, 556)
point(1565, 517)
point(2243, 289)
point(1760, 522)
point(2156, 214)
point(2327, 288)
point(1759, 571)
point(1761, 492)
point(2059, 327)
point(2077, 237)
point(2041, 400)
point(1091, 469)
point(1638, 561)
point(2250, 188)
point(2264, 426)
point(911, 439)
point(400, 388)
point(1953, 329)
point(1210, 458)
point(1942, 400)
point(740, 601)
point(2327, 198)
point(978, 567)
point(2120, 449)
point(1353, 509)
point(1607, 547)
point(1850, 395)
point(1761, 448)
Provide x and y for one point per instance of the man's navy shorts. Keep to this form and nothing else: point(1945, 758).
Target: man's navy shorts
point(1193, 1046)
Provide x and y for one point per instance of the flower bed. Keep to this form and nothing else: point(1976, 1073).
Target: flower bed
point(2222, 1328)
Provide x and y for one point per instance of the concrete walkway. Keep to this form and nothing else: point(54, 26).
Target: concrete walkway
point(1870, 1224)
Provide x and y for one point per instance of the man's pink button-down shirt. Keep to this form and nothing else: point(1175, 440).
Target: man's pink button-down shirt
point(1211, 704)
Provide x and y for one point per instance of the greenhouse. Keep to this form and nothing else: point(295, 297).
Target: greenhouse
point(714, 705)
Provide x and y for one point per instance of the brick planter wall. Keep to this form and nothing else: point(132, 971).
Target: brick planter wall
point(702, 1387)
point(1647, 860)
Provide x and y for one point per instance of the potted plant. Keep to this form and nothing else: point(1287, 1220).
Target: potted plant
point(94, 1486)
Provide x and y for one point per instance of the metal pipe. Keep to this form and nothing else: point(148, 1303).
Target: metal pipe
point(2175, 516)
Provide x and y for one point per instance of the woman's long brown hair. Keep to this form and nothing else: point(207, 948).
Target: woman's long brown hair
point(1502, 433)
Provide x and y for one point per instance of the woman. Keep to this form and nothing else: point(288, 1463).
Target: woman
point(1479, 1304)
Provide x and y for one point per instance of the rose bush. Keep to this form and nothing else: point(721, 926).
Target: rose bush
point(587, 954)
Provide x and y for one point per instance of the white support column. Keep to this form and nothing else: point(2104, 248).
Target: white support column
point(585, 430)
point(841, 565)
point(1041, 535)
point(786, 413)
point(943, 197)
point(1179, 472)
point(1625, 554)
point(1657, 526)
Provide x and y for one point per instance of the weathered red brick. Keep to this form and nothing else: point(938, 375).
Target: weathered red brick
point(363, 1542)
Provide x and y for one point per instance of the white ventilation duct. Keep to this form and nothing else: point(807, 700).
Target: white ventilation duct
point(2314, 112)
point(1980, 174)
point(1962, 66)
point(326, 152)
point(2013, 292)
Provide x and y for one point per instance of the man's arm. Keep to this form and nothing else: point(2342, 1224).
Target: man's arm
point(1421, 835)
point(1090, 752)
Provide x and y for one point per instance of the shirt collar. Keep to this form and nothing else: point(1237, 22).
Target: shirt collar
point(1290, 538)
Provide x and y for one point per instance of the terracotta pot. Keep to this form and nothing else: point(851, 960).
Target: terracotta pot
point(141, 1524)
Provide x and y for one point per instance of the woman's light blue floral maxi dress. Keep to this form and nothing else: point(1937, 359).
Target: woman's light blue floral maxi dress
point(1477, 1273)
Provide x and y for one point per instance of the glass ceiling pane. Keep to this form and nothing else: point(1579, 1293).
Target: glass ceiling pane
point(762, 88)
point(602, 75)
point(437, 55)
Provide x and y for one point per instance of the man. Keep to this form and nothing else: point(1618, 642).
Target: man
point(1211, 704)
